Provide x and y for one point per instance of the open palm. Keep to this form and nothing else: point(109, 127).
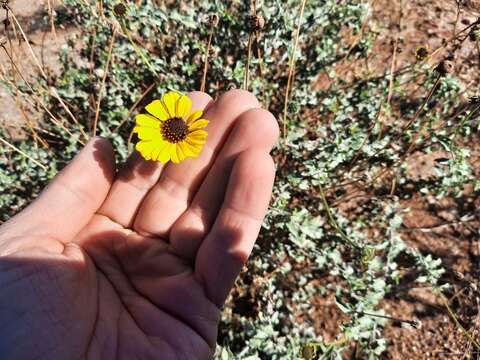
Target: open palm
point(137, 264)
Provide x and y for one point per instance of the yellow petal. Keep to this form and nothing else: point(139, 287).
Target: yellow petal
point(195, 142)
point(157, 109)
point(180, 154)
point(195, 115)
point(189, 149)
point(198, 134)
point(165, 154)
point(159, 149)
point(145, 148)
point(199, 124)
point(170, 100)
point(147, 120)
point(174, 155)
point(147, 133)
point(184, 104)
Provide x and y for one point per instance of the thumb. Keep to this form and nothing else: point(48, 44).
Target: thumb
point(67, 204)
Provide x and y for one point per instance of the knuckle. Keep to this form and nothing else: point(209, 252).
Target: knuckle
point(243, 97)
point(200, 95)
point(259, 123)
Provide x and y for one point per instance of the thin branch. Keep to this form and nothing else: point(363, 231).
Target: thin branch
point(102, 86)
point(54, 92)
point(32, 53)
point(22, 153)
point(134, 106)
point(205, 66)
point(39, 101)
point(292, 69)
point(247, 66)
point(455, 319)
point(52, 20)
point(392, 71)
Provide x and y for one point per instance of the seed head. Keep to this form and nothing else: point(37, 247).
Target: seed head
point(474, 100)
point(445, 67)
point(255, 23)
point(470, 5)
point(422, 52)
point(212, 19)
point(308, 351)
point(120, 10)
point(474, 35)
point(213, 53)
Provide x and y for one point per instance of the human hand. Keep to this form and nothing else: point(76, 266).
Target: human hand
point(137, 265)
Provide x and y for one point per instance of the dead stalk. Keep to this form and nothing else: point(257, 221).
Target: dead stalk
point(52, 20)
point(32, 53)
point(457, 323)
point(253, 6)
point(13, 147)
point(247, 66)
point(102, 85)
point(260, 65)
point(477, 45)
point(456, 20)
point(392, 71)
point(134, 106)
point(419, 111)
point(205, 65)
point(54, 120)
point(54, 92)
point(30, 126)
point(292, 70)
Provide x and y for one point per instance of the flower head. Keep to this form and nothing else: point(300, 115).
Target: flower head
point(170, 130)
point(255, 23)
point(422, 52)
point(445, 67)
point(308, 351)
point(119, 10)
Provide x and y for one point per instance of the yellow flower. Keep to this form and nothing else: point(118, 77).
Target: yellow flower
point(171, 131)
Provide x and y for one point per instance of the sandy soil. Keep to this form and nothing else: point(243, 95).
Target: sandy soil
point(446, 229)
point(34, 20)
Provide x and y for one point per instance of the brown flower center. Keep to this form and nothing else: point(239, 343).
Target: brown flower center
point(174, 130)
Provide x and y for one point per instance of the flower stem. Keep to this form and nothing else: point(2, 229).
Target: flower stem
point(205, 66)
point(291, 71)
point(102, 86)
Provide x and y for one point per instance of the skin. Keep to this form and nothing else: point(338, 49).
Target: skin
point(137, 263)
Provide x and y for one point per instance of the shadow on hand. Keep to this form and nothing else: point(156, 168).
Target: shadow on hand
point(134, 166)
point(137, 166)
point(46, 306)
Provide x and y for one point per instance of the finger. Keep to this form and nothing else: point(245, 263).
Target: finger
point(71, 199)
point(228, 245)
point(170, 197)
point(137, 177)
point(255, 128)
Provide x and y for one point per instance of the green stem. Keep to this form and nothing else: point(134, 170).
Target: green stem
point(138, 51)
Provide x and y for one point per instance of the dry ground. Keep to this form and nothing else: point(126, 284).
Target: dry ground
point(33, 17)
point(446, 229)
